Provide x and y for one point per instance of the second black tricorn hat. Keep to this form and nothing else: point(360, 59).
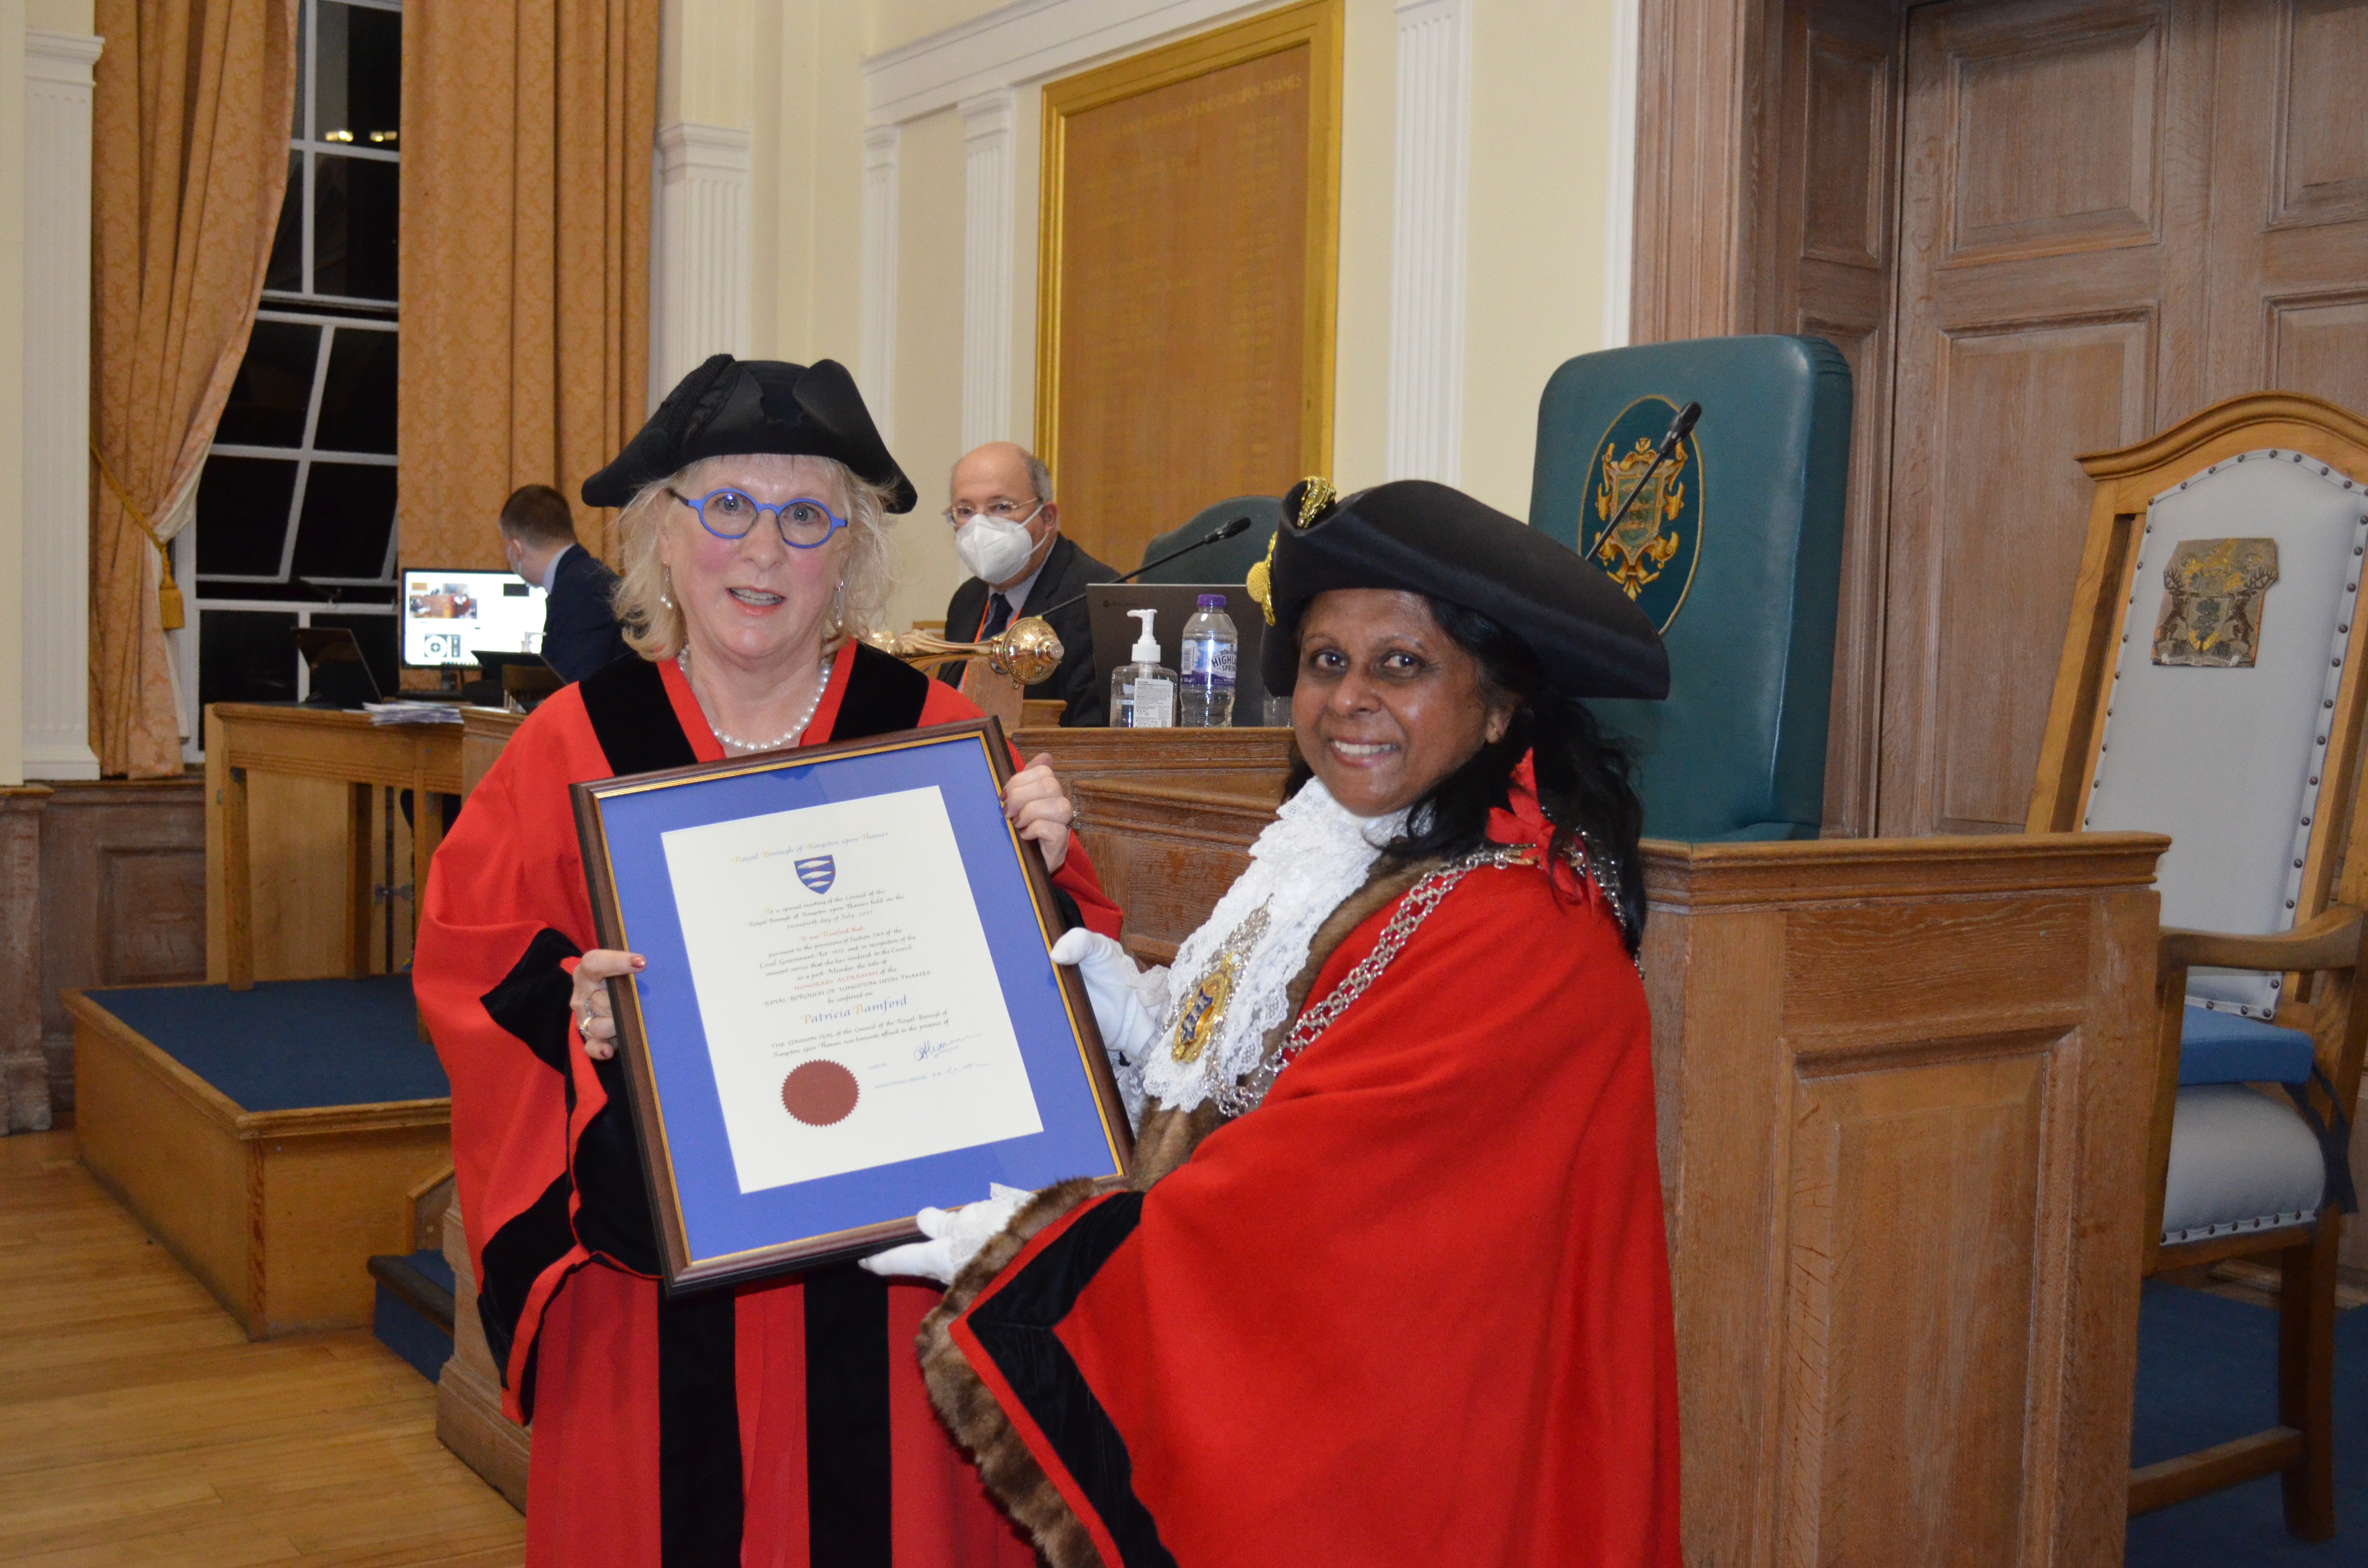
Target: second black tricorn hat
point(731, 407)
point(1418, 537)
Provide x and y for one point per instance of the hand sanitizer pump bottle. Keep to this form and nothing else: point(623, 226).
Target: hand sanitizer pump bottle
point(1143, 691)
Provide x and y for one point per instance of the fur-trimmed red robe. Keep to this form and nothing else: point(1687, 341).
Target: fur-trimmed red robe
point(767, 1426)
point(1413, 1308)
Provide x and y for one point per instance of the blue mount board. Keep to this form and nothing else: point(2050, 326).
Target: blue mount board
point(719, 1220)
point(290, 1044)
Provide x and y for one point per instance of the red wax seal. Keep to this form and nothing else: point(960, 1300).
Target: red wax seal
point(820, 1093)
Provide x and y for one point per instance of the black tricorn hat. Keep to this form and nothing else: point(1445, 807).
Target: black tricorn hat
point(731, 407)
point(1421, 537)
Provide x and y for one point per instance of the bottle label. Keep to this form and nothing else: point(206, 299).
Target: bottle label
point(1207, 659)
point(1154, 704)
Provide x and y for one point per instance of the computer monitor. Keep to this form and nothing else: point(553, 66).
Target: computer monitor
point(447, 616)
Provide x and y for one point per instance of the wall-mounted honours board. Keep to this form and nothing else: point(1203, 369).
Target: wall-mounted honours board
point(1186, 274)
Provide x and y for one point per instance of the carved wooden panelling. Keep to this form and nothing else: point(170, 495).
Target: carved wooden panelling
point(2055, 141)
point(1842, 208)
point(2320, 347)
point(1916, 1182)
point(2010, 535)
point(153, 915)
point(2089, 219)
point(2325, 130)
point(123, 898)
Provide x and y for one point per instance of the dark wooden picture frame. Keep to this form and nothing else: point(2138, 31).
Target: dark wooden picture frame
point(682, 1270)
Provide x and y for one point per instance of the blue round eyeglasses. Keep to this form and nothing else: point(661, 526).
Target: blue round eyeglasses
point(730, 514)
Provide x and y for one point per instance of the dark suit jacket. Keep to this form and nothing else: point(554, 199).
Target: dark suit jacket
point(1066, 572)
point(580, 626)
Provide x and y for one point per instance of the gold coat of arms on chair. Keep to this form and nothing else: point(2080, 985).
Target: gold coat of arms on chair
point(2210, 690)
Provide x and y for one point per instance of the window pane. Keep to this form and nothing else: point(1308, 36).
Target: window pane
point(246, 655)
point(361, 91)
point(287, 269)
point(376, 634)
point(348, 511)
point(354, 227)
point(274, 387)
point(243, 515)
point(357, 403)
point(296, 114)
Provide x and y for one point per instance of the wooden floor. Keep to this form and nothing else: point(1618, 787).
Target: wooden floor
point(139, 1425)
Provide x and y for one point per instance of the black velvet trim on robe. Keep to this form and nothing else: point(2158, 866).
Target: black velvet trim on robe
point(1015, 1328)
point(849, 1508)
point(531, 1003)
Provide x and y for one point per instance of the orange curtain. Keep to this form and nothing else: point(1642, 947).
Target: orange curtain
point(189, 163)
point(526, 134)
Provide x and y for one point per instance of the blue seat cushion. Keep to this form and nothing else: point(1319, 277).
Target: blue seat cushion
point(2228, 1048)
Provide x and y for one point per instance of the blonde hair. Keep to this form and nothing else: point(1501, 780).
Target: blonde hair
point(647, 607)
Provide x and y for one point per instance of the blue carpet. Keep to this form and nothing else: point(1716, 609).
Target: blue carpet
point(409, 1335)
point(2207, 1373)
point(290, 1044)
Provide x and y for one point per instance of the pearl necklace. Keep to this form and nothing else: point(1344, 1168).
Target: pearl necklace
point(733, 742)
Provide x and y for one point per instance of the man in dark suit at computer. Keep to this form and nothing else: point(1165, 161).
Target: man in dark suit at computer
point(1007, 531)
point(579, 627)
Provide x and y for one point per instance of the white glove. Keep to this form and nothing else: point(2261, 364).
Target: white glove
point(954, 1237)
point(1112, 985)
point(1127, 1003)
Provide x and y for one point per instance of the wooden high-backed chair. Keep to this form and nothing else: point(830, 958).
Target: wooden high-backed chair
point(2210, 690)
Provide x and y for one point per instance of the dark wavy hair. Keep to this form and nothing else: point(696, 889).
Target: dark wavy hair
point(1586, 775)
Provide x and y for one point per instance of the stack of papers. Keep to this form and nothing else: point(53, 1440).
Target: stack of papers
point(411, 712)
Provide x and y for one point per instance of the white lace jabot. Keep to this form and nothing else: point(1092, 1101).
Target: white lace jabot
point(1226, 991)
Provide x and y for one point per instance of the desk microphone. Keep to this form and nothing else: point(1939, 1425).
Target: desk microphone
point(1679, 428)
point(1222, 531)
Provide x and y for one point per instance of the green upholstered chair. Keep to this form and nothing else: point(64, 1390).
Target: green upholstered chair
point(1228, 561)
point(1735, 552)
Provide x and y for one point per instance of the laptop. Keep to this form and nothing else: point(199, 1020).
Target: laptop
point(338, 674)
point(1114, 632)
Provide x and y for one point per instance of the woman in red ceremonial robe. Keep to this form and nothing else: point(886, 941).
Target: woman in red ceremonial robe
point(771, 1426)
point(1390, 1285)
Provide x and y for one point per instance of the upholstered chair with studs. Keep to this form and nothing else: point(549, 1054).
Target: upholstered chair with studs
point(2210, 690)
point(1733, 546)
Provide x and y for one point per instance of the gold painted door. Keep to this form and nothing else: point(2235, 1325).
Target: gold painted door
point(1186, 273)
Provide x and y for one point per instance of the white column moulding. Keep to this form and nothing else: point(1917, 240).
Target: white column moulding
point(1023, 40)
point(1423, 437)
point(988, 182)
point(1620, 193)
point(876, 368)
point(700, 276)
point(56, 628)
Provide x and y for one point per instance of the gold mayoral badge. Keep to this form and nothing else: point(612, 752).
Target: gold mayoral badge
point(1636, 551)
point(2212, 594)
point(1204, 1012)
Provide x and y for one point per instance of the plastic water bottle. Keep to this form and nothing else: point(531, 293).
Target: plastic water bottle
point(1210, 654)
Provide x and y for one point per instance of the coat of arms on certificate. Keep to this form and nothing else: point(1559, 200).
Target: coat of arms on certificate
point(1649, 544)
point(2212, 596)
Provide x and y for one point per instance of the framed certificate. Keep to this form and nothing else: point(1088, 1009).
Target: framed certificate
point(850, 1010)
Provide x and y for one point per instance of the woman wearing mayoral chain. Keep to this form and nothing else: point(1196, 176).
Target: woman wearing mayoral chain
point(1391, 1284)
point(772, 1425)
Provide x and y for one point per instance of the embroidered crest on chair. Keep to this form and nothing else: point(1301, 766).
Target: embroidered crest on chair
point(2212, 594)
point(1652, 550)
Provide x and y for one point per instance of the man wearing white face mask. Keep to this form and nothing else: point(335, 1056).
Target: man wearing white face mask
point(1008, 532)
